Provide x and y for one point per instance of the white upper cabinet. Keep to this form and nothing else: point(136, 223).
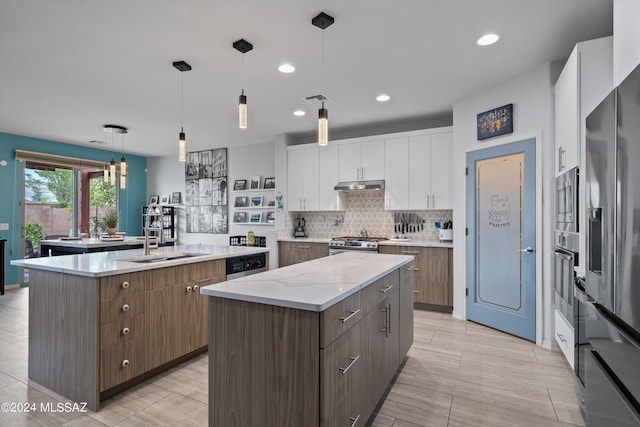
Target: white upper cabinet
point(418, 171)
point(585, 80)
point(441, 171)
point(303, 169)
point(396, 180)
point(360, 161)
point(330, 199)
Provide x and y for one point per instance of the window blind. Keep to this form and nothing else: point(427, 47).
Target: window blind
point(53, 159)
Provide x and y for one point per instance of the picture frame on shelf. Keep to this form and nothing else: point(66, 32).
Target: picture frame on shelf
point(271, 203)
point(240, 184)
point(269, 183)
point(271, 217)
point(241, 202)
point(176, 198)
point(153, 199)
point(239, 217)
point(254, 182)
point(256, 217)
point(164, 200)
point(256, 201)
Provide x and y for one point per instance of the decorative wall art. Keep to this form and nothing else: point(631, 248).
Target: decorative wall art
point(495, 122)
point(206, 191)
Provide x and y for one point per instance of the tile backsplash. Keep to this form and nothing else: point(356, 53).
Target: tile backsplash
point(365, 209)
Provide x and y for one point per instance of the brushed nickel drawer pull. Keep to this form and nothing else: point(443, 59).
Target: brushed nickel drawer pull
point(189, 289)
point(416, 292)
point(125, 363)
point(125, 308)
point(387, 289)
point(416, 269)
point(410, 268)
point(207, 279)
point(355, 420)
point(125, 285)
point(353, 360)
point(196, 287)
point(125, 331)
point(304, 247)
point(411, 252)
point(561, 337)
point(352, 313)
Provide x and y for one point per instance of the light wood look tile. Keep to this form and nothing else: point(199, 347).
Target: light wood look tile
point(457, 374)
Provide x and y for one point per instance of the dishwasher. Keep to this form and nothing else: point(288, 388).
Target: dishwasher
point(245, 265)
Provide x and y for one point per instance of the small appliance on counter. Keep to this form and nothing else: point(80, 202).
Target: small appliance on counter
point(299, 230)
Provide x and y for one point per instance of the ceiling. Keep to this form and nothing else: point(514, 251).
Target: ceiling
point(67, 67)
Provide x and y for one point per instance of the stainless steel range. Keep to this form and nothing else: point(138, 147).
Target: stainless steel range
point(363, 244)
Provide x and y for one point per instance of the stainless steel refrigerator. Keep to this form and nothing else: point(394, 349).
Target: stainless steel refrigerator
point(608, 312)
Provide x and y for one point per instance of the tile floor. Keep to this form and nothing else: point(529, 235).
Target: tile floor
point(458, 374)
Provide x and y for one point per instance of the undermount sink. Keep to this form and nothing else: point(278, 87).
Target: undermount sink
point(162, 257)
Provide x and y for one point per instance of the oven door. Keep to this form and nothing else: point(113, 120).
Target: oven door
point(563, 280)
point(567, 201)
point(336, 251)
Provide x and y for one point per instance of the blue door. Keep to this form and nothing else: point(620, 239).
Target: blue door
point(501, 258)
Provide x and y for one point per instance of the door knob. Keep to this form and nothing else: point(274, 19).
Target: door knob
point(526, 250)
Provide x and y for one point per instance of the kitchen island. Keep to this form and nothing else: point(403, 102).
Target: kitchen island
point(311, 344)
point(101, 322)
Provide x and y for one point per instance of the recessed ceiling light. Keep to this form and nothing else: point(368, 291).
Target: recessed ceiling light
point(286, 68)
point(383, 97)
point(488, 39)
point(299, 113)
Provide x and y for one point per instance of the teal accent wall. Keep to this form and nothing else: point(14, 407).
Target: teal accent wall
point(131, 199)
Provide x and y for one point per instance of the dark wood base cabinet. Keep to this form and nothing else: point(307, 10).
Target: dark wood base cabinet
point(277, 366)
point(433, 275)
point(91, 337)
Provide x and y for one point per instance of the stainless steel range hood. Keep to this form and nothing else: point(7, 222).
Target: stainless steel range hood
point(360, 185)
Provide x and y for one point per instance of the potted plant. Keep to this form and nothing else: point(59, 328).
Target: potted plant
point(33, 233)
point(110, 222)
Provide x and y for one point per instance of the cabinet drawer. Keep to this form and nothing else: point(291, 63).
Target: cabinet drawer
point(564, 337)
point(203, 273)
point(121, 308)
point(116, 333)
point(121, 285)
point(338, 318)
point(382, 288)
point(121, 363)
point(341, 366)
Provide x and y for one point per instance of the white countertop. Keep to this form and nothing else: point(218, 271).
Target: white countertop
point(86, 243)
point(99, 264)
point(399, 242)
point(313, 285)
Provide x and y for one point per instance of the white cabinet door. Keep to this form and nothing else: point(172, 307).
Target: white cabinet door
point(372, 160)
point(441, 170)
point(567, 115)
point(329, 199)
point(396, 178)
point(419, 171)
point(361, 160)
point(349, 161)
point(303, 179)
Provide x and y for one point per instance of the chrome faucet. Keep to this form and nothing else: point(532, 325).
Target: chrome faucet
point(363, 232)
point(149, 242)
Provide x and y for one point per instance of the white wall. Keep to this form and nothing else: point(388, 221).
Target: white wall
point(166, 175)
point(533, 106)
point(626, 38)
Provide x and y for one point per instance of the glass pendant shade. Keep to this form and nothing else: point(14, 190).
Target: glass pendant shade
point(123, 181)
point(323, 126)
point(112, 172)
point(106, 173)
point(242, 111)
point(182, 146)
point(123, 166)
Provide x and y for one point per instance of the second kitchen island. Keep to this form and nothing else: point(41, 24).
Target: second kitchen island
point(312, 344)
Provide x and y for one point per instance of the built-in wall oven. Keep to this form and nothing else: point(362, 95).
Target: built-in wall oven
point(566, 241)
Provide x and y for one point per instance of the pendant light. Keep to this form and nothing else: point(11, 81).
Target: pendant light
point(242, 46)
point(323, 21)
point(182, 139)
point(110, 173)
